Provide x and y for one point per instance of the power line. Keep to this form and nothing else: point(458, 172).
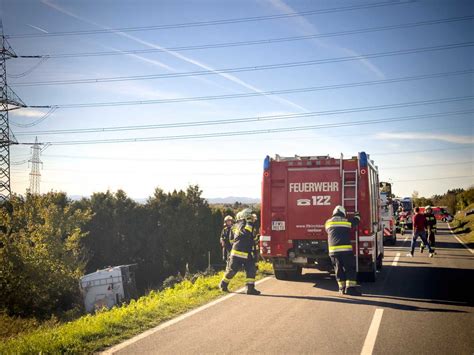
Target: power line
point(425, 165)
point(263, 118)
point(252, 132)
point(220, 160)
point(441, 178)
point(299, 90)
point(36, 122)
point(232, 173)
point(211, 23)
point(420, 151)
point(258, 42)
point(248, 68)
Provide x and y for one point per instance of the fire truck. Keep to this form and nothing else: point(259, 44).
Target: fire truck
point(298, 196)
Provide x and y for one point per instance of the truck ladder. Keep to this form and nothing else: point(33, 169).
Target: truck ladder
point(350, 184)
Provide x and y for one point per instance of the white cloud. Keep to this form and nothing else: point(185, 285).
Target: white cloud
point(307, 28)
point(28, 113)
point(451, 138)
point(190, 60)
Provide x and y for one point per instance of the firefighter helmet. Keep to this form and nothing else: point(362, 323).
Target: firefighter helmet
point(428, 208)
point(245, 214)
point(228, 218)
point(339, 209)
point(254, 217)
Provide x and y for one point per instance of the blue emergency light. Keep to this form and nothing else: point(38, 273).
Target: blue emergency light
point(266, 163)
point(363, 159)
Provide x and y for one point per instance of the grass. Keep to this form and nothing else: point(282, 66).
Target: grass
point(463, 226)
point(96, 332)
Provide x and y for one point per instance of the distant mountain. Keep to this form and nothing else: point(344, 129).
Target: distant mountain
point(216, 200)
point(233, 199)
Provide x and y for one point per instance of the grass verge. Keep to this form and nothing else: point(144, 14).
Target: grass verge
point(96, 332)
point(463, 226)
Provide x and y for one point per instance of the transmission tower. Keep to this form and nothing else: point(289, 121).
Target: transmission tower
point(35, 175)
point(8, 101)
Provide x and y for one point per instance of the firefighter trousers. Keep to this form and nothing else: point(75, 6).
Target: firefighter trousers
point(235, 264)
point(432, 238)
point(345, 269)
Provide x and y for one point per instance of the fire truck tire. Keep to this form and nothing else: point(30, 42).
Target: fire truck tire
point(288, 275)
point(280, 274)
point(368, 276)
point(379, 262)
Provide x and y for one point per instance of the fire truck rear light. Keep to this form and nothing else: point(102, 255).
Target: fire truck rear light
point(365, 244)
point(366, 251)
point(365, 231)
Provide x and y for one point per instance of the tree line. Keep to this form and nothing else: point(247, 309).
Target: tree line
point(454, 199)
point(53, 241)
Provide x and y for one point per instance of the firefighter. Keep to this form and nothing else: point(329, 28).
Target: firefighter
point(241, 253)
point(402, 219)
point(430, 229)
point(225, 237)
point(256, 239)
point(340, 250)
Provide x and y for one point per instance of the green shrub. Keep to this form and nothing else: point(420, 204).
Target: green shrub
point(107, 327)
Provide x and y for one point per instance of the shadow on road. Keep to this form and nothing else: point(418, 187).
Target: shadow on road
point(434, 285)
point(366, 302)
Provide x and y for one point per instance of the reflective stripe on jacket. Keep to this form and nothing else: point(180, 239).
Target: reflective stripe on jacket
point(430, 220)
point(243, 242)
point(338, 229)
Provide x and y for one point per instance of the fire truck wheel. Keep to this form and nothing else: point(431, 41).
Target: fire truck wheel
point(368, 276)
point(281, 275)
point(288, 275)
point(379, 262)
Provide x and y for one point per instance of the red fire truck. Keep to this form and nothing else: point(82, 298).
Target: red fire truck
point(298, 196)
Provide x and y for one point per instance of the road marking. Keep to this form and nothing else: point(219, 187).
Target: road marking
point(149, 332)
point(395, 259)
point(369, 342)
point(459, 240)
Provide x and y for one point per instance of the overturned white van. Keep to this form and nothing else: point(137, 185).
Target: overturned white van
point(108, 287)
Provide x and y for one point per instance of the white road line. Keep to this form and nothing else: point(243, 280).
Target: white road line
point(459, 240)
point(395, 259)
point(149, 332)
point(369, 342)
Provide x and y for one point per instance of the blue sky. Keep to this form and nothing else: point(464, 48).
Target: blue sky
point(428, 155)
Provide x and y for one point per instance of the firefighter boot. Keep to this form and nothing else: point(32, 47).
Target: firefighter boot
point(224, 286)
point(251, 290)
point(422, 247)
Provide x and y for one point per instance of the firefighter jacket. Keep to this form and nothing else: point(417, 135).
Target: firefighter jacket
point(430, 221)
point(242, 240)
point(225, 237)
point(339, 238)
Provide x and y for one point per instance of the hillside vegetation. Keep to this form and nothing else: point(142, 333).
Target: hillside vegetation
point(92, 333)
point(463, 225)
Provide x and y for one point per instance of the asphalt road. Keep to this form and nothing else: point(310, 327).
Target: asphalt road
point(418, 305)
